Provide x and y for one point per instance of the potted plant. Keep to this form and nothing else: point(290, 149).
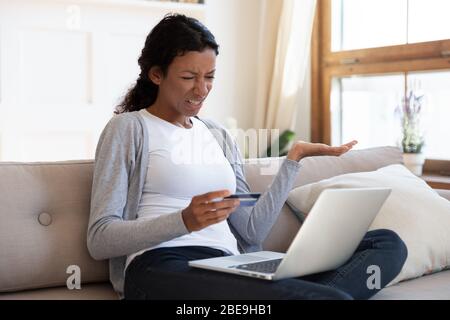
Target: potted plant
point(283, 144)
point(412, 141)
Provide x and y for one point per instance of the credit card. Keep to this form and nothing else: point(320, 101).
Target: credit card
point(246, 199)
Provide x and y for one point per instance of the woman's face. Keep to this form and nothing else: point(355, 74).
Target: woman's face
point(188, 81)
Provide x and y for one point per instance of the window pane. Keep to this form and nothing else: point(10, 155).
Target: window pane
point(358, 24)
point(435, 86)
point(428, 20)
point(363, 108)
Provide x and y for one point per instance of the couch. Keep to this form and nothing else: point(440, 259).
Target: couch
point(44, 211)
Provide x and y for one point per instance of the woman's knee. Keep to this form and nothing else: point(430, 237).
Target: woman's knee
point(390, 242)
point(394, 242)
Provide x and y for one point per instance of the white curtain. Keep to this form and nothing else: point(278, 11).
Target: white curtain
point(285, 42)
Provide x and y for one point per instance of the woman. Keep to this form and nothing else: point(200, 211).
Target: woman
point(154, 207)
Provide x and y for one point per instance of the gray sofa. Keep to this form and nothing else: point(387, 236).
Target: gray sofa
point(44, 211)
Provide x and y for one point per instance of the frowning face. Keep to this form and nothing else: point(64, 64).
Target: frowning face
point(188, 81)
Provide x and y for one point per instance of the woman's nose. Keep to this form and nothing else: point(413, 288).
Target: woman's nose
point(201, 88)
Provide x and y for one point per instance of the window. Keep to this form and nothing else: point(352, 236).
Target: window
point(360, 103)
point(366, 54)
point(359, 24)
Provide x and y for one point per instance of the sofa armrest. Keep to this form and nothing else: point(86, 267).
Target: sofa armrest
point(444, 193)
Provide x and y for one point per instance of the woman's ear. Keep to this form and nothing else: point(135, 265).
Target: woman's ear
point(155, 75)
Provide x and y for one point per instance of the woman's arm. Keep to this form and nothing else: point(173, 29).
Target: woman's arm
point(254, 223)
point(110, 234)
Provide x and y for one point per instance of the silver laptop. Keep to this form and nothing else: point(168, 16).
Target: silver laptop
point(328, 237)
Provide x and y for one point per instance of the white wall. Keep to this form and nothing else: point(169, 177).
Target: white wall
point(63, 67)
point(303, 126)
point(235, 23)
point(235, 26)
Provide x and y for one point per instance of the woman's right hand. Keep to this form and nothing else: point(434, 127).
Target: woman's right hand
point(301, 149)
point(203, 211)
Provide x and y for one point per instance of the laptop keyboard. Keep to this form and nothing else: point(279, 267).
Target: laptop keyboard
point(268, 266)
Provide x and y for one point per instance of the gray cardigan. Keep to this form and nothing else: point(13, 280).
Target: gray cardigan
point(120, 170)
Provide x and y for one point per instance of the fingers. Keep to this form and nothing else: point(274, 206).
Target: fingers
point(203, 211)
point(219, 211)
point(337, 151)
point(224, 204)
point(304, 149)
point(350, 144)
point(345, 147)
point(219, 215)
point(210, 196)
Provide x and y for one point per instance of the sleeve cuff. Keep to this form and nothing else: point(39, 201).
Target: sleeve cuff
point(181, 224)
point(292, 164)
point(178, 223)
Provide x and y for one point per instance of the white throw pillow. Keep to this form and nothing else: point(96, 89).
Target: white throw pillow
point(413, 210)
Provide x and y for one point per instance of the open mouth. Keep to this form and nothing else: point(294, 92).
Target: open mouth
point(194, 103)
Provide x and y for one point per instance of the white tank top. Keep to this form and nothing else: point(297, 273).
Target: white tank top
point(184, 163)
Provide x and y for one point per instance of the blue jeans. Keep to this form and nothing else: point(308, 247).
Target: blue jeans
point(164, 274)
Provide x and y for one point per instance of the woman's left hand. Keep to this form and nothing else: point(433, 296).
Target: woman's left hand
point(302, 149)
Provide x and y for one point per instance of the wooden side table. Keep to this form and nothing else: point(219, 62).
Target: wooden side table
point(437, 181)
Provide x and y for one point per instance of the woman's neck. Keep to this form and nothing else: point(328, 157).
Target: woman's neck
point(172, 117)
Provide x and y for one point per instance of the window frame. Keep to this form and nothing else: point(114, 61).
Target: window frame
point(325, 64)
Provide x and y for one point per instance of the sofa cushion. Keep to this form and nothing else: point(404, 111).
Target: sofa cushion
point(431, 287)
point(413, 210)
point(444, 193)
point(95, 291)
point(260, 172)
point(282, 232)
point(44, 214)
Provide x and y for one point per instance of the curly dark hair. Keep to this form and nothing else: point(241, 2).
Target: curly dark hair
point(173, 36)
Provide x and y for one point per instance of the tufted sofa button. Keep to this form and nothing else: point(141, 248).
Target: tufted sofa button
point(45, 219)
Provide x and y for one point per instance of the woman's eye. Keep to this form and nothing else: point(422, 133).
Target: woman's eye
point(192, 78)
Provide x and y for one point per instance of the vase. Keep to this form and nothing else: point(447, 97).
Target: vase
point(414, 162)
